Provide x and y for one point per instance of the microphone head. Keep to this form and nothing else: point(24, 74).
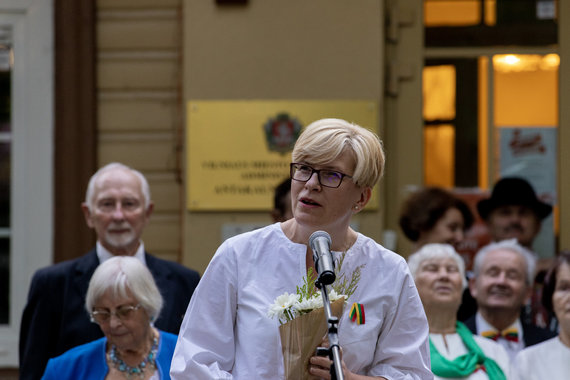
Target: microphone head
point(320, 243)
point(319, 234)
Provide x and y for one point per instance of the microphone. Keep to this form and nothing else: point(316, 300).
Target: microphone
point(320, 243)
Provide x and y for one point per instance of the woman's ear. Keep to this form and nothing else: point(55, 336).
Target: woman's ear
point(365, 195)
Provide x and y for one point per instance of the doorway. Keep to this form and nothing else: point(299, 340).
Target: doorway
point(491, 110)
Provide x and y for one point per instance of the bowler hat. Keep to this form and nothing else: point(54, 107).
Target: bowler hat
point(513, 191)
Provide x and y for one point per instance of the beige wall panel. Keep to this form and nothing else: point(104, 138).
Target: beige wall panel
point(157, 155)
point(162, 235)
point(137, 115)
point(137, 75)
point(283, 49)
point(137, 4)
point(166, 195)
point(121, 34)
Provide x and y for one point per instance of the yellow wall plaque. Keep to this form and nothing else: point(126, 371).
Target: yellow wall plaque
point(238, 150)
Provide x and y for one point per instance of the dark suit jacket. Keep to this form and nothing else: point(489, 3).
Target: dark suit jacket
point(531, 333)
point(55, 319)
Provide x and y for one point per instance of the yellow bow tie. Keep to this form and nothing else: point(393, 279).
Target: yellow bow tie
point(511, 334)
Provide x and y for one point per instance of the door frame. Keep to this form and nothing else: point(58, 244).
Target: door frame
point(31, 227)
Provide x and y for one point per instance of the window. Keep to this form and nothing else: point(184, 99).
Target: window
point(490, 22)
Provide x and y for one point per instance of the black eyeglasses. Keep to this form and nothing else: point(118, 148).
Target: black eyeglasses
point(123, 312)
point(327, 178)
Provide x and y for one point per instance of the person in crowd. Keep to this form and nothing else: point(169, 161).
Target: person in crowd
point(514, 211)
point(226, 332)
point(434, 215)
point(123, 300)
point(118, 207)
point(282, 202)
point(455, 352)
point(550, 359)
point(501, 285)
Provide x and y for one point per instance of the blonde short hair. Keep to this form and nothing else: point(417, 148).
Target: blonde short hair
point(326, 139)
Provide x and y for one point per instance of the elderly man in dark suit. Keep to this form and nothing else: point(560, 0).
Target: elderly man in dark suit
point(501, 284)
point(117, 206)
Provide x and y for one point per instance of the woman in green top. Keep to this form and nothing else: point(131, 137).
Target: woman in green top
point(439, 273)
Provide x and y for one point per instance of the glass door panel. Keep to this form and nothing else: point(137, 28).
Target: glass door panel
point(525, 104)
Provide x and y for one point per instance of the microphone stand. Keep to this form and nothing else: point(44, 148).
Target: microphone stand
point(332, 322)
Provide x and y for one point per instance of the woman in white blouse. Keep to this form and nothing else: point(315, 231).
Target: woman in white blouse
point(550, 359)
point(439, 273)
point(226, 333)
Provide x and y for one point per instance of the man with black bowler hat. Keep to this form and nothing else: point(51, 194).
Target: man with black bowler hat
point(513, 211)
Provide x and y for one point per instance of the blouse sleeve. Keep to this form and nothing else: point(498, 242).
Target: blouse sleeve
point(201, 354)
point(402, 350)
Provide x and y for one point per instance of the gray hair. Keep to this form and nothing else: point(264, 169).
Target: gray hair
point(123, 274)
point(513, 246)
point(145, 188)
point(436, 251)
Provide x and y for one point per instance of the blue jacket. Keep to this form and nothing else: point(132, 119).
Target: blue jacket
point(87, 362)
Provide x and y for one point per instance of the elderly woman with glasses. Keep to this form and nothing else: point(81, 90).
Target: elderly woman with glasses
point(226, 332)
point(455, 352)
point(123, 300)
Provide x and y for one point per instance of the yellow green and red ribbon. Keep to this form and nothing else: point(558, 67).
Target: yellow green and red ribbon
point(509, 334)
point(357, 313)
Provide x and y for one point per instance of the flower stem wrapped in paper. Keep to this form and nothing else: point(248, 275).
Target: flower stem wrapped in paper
point(302, 317)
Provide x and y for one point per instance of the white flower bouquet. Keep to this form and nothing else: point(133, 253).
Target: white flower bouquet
point(302, 319)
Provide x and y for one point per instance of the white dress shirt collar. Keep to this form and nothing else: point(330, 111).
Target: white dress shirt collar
point(103, 254)
point(512, 347)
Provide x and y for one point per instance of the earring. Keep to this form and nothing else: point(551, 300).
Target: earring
point(356, 207)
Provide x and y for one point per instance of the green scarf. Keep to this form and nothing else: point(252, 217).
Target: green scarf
point(464, 365)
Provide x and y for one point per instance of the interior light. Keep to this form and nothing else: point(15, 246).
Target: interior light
point(511, 59)
point(525, 62)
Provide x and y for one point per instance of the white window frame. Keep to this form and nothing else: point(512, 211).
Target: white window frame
point(31, 229)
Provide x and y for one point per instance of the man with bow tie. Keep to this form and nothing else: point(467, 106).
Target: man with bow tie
point(502, 282)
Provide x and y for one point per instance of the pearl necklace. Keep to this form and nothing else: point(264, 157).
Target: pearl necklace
point(138, 370)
